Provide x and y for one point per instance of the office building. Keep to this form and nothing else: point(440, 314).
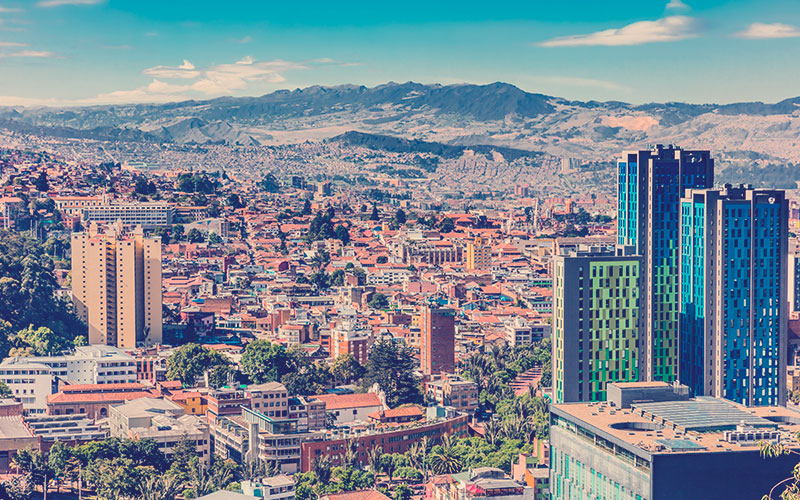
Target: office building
point(146, 215)
point(91, 364)
point(437, 334)
point(479, 255)
point(164, 422)
point(30, 382)
point(734, 305)
point(596, 322)
point(794, 281)
point(650, 187)
point(454, 391)
point(116, 286)
point(520, 332)
point(651, 441)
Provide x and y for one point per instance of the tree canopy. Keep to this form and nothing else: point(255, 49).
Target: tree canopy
point(391, 365)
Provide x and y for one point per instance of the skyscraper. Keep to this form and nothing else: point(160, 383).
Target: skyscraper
point(437, 349)
point(116, 286)
point(596, 322)
point(734, 304)
point(650, 186)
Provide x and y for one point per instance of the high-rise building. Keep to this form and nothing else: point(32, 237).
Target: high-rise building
point(734, 305)
point(596, 322)
point(479, 255)
point(116, 286)
point(437, 333)
point(794, 281)
point(649, 190)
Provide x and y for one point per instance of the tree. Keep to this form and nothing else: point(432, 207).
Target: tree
point(400, 216)
point(342, 234)
point(374, 455)
point(33, 464)
point(214, 239)
point(391, 365)
point(306, 207)
point(262, 361)
point(159, 488)
point(190, 361)
point(379, 301)
point(444, 459)
point(374, 215)
point(41, 183)
point(270, 183)
point(195, 236)
point(307, 380)
point(322, 468)
point(177, 232)
point(402, 492)
point(234, 201)
point(39, 342)
point(346, 369)
point(5, 392)
point(446, 225)
point(57, 459)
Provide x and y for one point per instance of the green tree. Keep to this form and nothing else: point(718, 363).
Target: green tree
point(342, 234)
point(190, 361)
point(346, 369)
point(195, 236)
point(446, 225)
point(400, 217)
point(41, 341)
point(306, 207)
point(391, 365)
point(5, 391)
point(270, 183)
point(402, 492)
point(379, 301)
point(214, 239)
point(177, 232)
point(34, 465)
point(234, 201)
point(262, 361)
point(41, 183)
point(374, 215)
point(57, 459)
point(444, 459)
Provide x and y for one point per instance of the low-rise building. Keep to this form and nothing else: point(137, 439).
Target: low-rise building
point(452, 390)
point(93, 400)
point(163, 421)
point(649, 441)
point(30, 382)
point(478, 484)
point(66, 428)
point(92, 364)
point(280, 487)
point(348, 408)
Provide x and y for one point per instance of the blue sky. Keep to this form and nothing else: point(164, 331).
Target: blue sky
point(96, 51)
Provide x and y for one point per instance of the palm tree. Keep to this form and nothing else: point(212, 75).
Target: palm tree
point(322, 469)
point(201, 481)
point(159, 488)
point(374, 459)
point(491, 431)
point(350, 452)
point(418, 456)
point(445, 461)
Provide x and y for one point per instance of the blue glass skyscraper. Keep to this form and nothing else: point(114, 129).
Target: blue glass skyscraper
point(650, 186)
point(734, 303)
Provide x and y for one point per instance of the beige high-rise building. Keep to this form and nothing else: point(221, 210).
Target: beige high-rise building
point(479, 255)
point(116, 286)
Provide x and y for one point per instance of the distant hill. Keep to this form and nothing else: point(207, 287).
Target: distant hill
point(442, 117)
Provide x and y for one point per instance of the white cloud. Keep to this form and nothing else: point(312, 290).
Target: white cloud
point(765, 30)
point(59, 3)
point(676, 4)
point(246, 39)
point(185, 70)
point(667, 29)
point(13, 44)
point(9, 10)
point(30, 53)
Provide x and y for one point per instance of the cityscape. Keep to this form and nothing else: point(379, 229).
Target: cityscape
point(290, 277)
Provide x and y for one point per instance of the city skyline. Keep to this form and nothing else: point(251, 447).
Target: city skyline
point(82, 52)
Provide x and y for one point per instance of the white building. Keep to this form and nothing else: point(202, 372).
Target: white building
point(280, 487)
point(30, 382)
point(163, 421)
point(94, 364)
point(520, 332)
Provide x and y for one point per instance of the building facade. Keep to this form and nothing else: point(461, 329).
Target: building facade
point(116, 286)
point(146, 215)
point(596, 322)
point(437, 335)
point(649, 189)
point(734, 304)
point(479, 255)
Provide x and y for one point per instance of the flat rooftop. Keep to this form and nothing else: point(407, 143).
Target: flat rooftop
point(694, 425)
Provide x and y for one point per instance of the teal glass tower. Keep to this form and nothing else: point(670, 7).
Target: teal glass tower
point(650, 186)
point(734, 294)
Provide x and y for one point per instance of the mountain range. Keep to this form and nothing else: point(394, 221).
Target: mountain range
point(498, 114)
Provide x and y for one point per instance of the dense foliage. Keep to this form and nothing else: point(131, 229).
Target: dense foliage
point(391, 365)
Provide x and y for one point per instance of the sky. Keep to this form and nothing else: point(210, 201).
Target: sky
point(83, 52)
